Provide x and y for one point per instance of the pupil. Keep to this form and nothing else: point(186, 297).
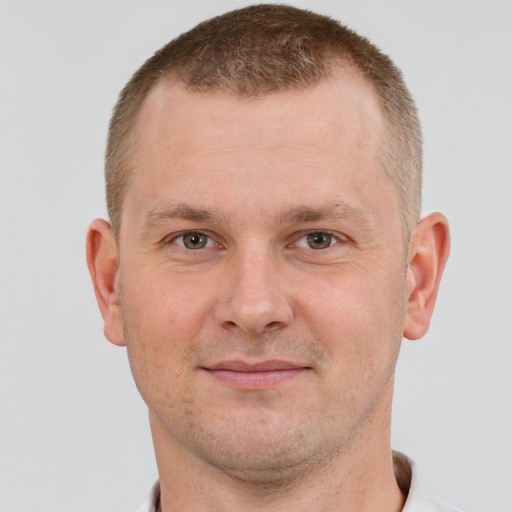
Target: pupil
point(319, 240)
point(195, 241)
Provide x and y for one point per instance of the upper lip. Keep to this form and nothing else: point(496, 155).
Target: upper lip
point(262, 366)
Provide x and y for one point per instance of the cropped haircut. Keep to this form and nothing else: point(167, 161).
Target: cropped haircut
point(264, 49)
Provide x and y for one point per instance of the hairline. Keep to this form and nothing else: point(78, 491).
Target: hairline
point(337, 67)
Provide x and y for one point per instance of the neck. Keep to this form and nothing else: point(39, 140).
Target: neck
point(360, 478)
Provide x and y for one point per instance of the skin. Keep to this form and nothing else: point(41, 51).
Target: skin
point(266, 356)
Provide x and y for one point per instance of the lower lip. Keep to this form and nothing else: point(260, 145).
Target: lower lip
point(256, 380)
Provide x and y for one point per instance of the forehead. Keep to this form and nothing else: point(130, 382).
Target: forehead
point(335, 113)
point(268, 152)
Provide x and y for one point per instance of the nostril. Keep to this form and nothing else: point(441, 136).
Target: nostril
point(253, 313)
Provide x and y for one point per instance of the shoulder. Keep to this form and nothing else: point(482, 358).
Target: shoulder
point(151, 504)
point(410, 481)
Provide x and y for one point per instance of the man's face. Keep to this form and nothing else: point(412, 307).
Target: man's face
point(262, 274)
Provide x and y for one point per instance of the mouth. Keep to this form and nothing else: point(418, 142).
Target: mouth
point(254, 376)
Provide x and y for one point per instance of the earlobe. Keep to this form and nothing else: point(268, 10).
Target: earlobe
point(429, 251)
point(103, 262)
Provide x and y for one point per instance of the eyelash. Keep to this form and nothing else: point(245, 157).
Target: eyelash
point(334, 239)
point(209, 243)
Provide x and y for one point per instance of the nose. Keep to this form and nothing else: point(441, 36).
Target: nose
point(253, 298)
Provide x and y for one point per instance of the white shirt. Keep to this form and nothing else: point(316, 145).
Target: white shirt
point(407, 476)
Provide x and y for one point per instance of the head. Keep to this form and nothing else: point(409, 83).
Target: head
point(263, 50)
point(260, 180)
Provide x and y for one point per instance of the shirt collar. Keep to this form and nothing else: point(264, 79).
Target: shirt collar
point(407, 477)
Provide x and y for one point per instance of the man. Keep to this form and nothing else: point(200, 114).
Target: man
point(264, 259)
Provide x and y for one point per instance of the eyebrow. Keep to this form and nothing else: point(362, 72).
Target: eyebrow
point(296, 215)
point(339, 210)
point(182, 211)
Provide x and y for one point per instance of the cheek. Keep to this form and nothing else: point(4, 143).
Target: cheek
point(164, 304)
point(161, 319)
point(359, 317)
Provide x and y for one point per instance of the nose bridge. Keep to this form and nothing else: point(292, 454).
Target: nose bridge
point(253, 272)
point(254, 299)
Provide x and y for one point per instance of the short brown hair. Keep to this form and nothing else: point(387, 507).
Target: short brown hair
point(263, 49)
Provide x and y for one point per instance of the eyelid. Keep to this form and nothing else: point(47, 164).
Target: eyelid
point(171, 239)
point(338, 237)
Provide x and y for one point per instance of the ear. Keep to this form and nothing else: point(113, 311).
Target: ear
point(429, 249)
point(103, 262)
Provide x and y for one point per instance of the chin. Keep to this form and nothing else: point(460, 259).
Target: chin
point(261, 453)
point(262, 464)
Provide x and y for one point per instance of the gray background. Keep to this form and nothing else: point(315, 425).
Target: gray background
point(73, 430)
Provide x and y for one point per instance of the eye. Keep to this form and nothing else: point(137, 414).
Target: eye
point(317, 240)
point(193, 240)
